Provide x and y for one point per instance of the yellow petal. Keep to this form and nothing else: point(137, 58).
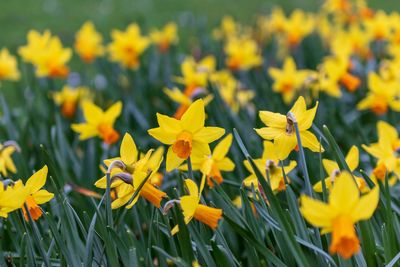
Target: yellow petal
point(226, 164)
point(284, 145)
point(173, 161)
point(92, 113)
point(344, 194)
point(222, 148)
point(208, 134)
point(189, 205)
point(128, 150)
point(352, 158)
point(269, 133)
point(366, 206)
point(317, 212)
point(113, 112)
point(330, 166)
point(42, 196)
point(310, 141)
point(37, 180)
point(163, 136)
point(169, 124)
point(192, 187)
point(271, 119)
point(193, 119)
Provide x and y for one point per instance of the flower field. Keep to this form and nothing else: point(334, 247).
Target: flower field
point(268, 143)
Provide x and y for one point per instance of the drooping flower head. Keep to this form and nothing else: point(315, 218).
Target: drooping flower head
point(191, 207)
point(187, 136)
point(280, 128)
point(344, 208)
point(88, 43)
point(98, 122)
point(128, 178)
point(127, 46)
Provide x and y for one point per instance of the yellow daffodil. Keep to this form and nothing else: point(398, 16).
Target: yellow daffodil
point(186, 136)
point(36, 195)
point(137, 170)
point(126, 47)
point(386, 150)
point(382, 95)
point(269, 162)
point(379, 26)
point(333, 170)
point(47, 54)
point(227, 29)
point(6, 162)
point(288, 80)
point(8, 66)
point(88, 42)
point(165, 37)
point(242, 53)
point(280, 128)
point(297, 26)
point(12, 197)
point(153, 163)
point(212, 165)
point(191, 207)
point(232, 91)
point(344, 209)
point(98, 122)
point(183, 100)
point(69, 98)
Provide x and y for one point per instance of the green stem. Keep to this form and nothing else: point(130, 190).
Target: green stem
point(37, 238)
point(190, 169)
point(303, 160)
point(108, 200)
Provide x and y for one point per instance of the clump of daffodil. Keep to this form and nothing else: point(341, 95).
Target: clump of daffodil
point(47, 54)
point(288, 80)
point(88, 43)
point(127, 47)
point(232, 91)
point(191, 207)
point(130, 172)
point(165, 37)
point(187, 136)
point(382, 95)
point(12, 197)
point(344, 208)
point(333, 171)
point(242, 53)
point(8, 66)
point(36, 195)
point(183, 100)
point(6, 162)
point(386, 150)
point(212, 165)
point(98, 122)
point(271, 168)
point(281, 128)
point(69, 98)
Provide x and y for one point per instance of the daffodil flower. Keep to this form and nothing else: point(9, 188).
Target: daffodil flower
point(242, 53)
point(333, 170)
point(386, 150)
point(344, 209)
point(186, 136)
point(191, 207)
point(69, 98)
point(36, 195)
point(280, 128)
point(88, 42)
point(98, 122)
point(6, 162)
point(8, 66)
point(269, 162)
point(212, 165)
point(12, 197)
point(126, 47)
point(288, 80)
point(131, 175)
point(382, 95)
point(165, 37)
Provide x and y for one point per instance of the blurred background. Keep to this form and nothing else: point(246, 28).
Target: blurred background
point(65, 17)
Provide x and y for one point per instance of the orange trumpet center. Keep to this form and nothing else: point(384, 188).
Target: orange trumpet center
point(68, 108)
point(380, 171)
point(215, 174)
point(183, 145)
point(207, 215)
point(350, 81)
point(33, 209)
point(58, 71)
point(108, 133)
point(344, 238)
point(152, 194)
